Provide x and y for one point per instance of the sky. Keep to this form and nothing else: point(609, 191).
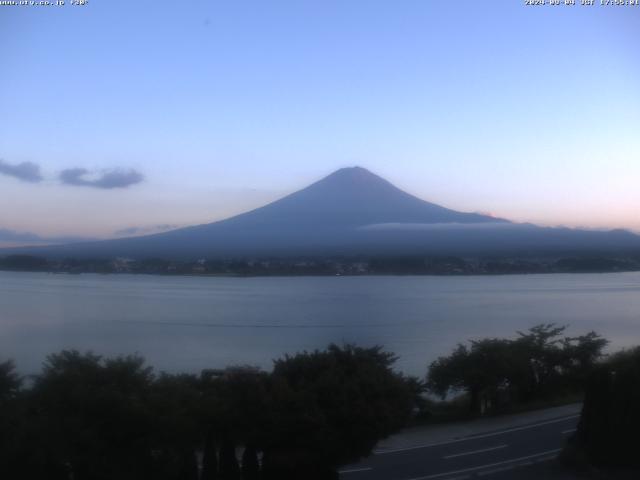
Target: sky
point(128, 117)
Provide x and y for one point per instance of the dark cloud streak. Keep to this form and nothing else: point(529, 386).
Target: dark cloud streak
point(25, 171)
point(26, 238)
point(107, 179)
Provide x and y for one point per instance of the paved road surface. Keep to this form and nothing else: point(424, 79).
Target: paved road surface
point(485, 454)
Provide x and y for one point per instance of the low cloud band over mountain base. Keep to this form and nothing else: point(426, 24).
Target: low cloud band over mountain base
point(12, 237)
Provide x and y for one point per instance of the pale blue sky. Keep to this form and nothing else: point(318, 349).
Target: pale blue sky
point(531, 113)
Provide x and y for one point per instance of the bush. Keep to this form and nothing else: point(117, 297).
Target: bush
point(610, 420)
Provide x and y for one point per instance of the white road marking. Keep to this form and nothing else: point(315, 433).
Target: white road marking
point(474, 437)
point(455, 455)
point(355, 470)
point(493, 471)
point(565, 432)
point(489, 465)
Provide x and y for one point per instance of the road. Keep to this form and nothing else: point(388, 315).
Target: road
point(480, 455)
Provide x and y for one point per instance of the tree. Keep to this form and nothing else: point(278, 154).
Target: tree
point(233, 411)
point(210, 458)
point(92, 416)
point(331, 407)
point(608, 429)
point(540, 359)
point(581, 355)
point(537, 363)
point(23, 263)
point(10, 427)
point(482, 371)
point(250, 464)
point(176, 432)
point(10, 382)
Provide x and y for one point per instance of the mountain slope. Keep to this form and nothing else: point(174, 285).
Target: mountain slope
point(352, 197)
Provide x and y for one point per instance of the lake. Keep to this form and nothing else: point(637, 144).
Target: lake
point(190, 323)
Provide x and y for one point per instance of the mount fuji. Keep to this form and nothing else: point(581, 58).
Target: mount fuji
point(350, 212)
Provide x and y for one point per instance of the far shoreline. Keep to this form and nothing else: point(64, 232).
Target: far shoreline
point(367, 275)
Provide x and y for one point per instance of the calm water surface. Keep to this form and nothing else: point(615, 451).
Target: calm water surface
point(190, 323)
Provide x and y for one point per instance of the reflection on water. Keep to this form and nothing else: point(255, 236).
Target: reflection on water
point(190, 323)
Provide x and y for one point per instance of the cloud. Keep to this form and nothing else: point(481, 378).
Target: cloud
point(25, 171)
point(7, 235)
point(131, 231)
point(442, 226)
point(29, 238)
point(106, 179)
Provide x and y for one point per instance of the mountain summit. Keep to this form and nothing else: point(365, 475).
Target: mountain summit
point(350, 212)
point(355, 197)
